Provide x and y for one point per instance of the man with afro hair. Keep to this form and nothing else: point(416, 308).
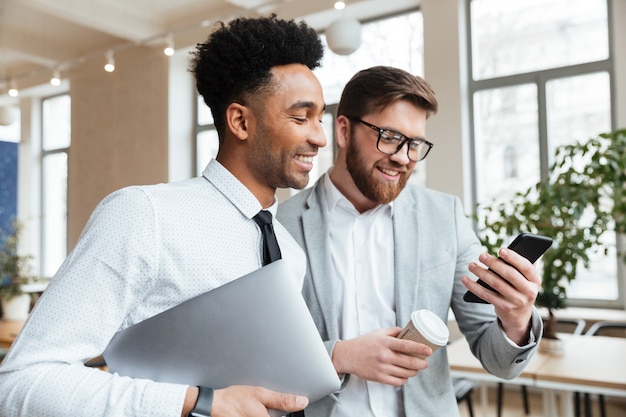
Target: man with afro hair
point(149, 248)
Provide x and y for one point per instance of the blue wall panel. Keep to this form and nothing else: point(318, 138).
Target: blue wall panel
point(8, 184)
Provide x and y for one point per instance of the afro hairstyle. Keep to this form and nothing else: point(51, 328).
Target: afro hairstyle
point(236, 59)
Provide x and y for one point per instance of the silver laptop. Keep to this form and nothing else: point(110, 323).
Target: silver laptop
point(255, 330)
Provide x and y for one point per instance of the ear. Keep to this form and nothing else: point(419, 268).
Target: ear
point(342, 131)
point(238, 120)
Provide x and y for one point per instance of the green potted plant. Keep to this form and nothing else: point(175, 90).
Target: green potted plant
point(14, 275)
point(582, 199)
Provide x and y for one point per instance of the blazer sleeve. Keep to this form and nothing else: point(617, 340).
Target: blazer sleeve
point(478, 322)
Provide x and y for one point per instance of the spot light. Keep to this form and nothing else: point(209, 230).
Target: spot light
point(56, 78)
point(169, 49)
point(13, 91)
point(110, 65)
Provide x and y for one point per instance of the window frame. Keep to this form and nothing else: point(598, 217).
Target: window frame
point(45, 153)
point(540, 78)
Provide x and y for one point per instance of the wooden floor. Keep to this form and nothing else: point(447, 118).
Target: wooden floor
point(513, 406)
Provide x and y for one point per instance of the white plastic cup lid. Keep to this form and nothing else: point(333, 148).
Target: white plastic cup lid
point(430, 326)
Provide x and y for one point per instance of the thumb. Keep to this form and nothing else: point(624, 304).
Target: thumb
point(393, 331)
point(286, 402)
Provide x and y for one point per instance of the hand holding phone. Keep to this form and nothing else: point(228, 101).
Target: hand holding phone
point(529, 245)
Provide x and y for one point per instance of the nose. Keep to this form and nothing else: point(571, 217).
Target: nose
point(318, 137)
point(402, 156)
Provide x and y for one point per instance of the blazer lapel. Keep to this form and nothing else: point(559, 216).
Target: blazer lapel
point(315, 229)
point(406, 232)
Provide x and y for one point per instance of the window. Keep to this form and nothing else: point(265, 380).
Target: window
point(401, 47)
point(520, 37)
point(55, 147)
point(541, 77)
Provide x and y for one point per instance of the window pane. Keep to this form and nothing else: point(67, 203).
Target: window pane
point(207, 145)
point(506, 139)
point(55, 212)
point(510, 37)
point(599, 282)
point(204, 113)
point(56, 122)
point(579, 108)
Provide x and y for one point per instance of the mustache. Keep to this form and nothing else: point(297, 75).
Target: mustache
point(307, 149)
point(393, 166)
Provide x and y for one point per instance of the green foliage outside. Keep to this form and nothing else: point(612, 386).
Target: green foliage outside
point(584, 197)
point(14, 268)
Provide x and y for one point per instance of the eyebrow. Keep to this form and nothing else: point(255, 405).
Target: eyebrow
point(398, 132)
point(406, 136)
point(305, 105)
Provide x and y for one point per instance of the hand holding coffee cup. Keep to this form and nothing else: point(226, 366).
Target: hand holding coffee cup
point(426, 328)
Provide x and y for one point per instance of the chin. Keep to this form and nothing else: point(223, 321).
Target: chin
point(385, 193)
point(297, 183)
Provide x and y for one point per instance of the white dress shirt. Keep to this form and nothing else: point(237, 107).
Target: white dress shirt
point(362, 251)
point(144, 250)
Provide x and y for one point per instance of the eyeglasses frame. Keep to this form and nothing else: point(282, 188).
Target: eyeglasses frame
point(406, 139)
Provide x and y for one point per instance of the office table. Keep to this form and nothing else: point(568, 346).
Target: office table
point(8, 332)
point(464, 365)
point(593, 364)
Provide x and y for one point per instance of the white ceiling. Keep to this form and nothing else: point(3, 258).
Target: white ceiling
point(38, 35)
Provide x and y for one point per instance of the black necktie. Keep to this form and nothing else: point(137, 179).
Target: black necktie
point(271, 250)
point(271, 253)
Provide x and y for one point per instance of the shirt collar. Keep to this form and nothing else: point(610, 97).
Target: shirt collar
point(234, 190)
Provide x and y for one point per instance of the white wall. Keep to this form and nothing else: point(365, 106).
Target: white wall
point(181, 110)
point(448, 166)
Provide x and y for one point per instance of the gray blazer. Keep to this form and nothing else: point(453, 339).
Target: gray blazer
point(434, 243)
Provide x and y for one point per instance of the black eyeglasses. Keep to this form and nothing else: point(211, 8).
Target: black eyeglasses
point(390, 142)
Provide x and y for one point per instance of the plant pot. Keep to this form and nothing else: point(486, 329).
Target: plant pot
point(17, 308)
point(551, 346)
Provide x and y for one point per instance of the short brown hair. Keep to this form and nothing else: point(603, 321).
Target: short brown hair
point(377, 87)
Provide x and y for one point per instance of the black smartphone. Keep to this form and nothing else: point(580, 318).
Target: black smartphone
point(529, 245)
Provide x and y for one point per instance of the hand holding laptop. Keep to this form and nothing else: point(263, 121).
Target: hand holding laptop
point(227, 399)
point(254, 331)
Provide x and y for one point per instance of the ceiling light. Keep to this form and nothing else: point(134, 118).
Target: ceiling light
point(13, 91)
point(344, 36)
point(110, 65)
point(340, 5)
point(8, 115)
point(56, 78)
point(169, 49)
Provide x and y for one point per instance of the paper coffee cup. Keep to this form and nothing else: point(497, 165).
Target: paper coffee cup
point(426, 328)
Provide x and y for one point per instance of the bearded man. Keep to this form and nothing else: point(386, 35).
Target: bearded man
point(379, 248)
